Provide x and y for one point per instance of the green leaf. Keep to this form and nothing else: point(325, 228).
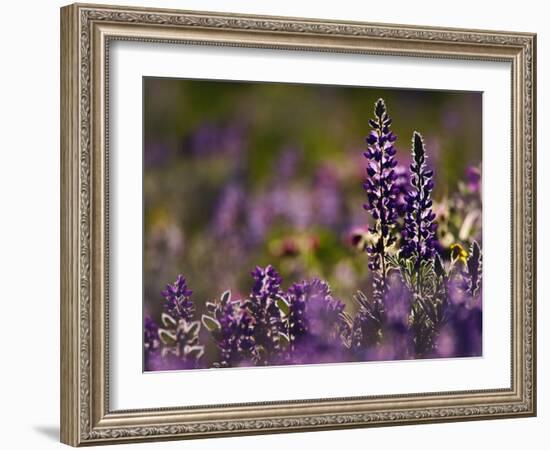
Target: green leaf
point(438, 267)
point(210, 323)
point(379, 108)
point(361, 299)
point(194, 351)
point(283, 305)
point(190, 328)
point(474, 267)
point(347, 318)
point(284, 340)
point(167, 337)
point(211, 307)
point(168, 321)
point(226, 297)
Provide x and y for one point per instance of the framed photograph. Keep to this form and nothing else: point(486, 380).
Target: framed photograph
point(276, 225)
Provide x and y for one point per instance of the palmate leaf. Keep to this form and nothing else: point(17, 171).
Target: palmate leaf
point(189, 329)
point(410, 273)
point(193, 351)
point(167, 337)
point(168, 321)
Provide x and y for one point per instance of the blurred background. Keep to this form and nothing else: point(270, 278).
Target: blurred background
point(239, 174)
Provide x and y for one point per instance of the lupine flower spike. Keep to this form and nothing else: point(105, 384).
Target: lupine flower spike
point(418, 235)
point(381, 192)
point(177, 300)
point(262, 306)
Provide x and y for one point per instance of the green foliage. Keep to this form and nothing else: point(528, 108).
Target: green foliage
point(210, 323)
point(474, 268)
point(283, 305)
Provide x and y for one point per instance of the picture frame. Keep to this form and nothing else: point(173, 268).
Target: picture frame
point(87, 33)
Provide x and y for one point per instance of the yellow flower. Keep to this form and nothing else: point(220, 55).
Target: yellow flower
point(458, 253)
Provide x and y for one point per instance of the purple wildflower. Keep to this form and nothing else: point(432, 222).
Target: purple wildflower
point(151, 339)
point(313, 309)
point(314, 322)
point(382, 334)
point(401, 186)
point(229, 209)
point(212, 139)
point(232, 328)
point(327, 197)
point(177, 300)
point(262, 306)
point(397, 301)
point(267, 283)
point(473, 179)
point(461, 336)
point(381, 192)
point(419, 230)
point(287, 163)
point(365, 328)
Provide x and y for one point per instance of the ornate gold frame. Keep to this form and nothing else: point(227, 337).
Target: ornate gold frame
point(86, 31)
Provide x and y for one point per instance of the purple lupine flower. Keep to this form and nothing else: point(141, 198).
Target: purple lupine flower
point(461, 330)
point(313, 309)
point(258, 218)
point(297, 322)
point(314, 323)
point(327, 197)
point(151, 341)
point(210, 139)
point(232, 328)
point(401, 186)
point(381, 192)
point(287, 163)
point(177, 300)
point(229, 209)
point(383, 334)
point(418, 234)
point(366, 326)
point(267, 284)
point(397, 301)
point(203, 139)
point(473, 179)
point(296, 206)
point(262, 306)
point(461, 336)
